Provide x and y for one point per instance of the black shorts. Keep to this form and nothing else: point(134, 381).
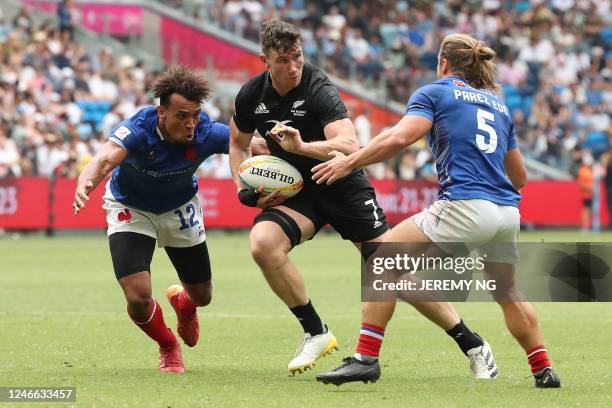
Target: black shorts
point(349, 206)
point(132, 253)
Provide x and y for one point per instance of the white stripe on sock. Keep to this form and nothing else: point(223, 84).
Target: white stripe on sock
point(150, 317)
point(536, 351)
point(371, 334)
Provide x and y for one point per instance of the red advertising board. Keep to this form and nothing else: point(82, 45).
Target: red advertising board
point(101, 17)
point(548, 202)
point(24, 203)
point(221, 206)
point(401, 199)
point(92, 216)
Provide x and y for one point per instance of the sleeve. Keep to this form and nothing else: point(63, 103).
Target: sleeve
point(328, 105)
point(243, 114)
point(422, 102)
point(512, 137)
point(127, 135)
point(217, 137)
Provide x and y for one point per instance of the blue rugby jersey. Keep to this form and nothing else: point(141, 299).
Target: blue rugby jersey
point(472, 132)
point(158, 176)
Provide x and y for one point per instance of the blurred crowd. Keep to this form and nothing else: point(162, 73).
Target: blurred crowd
point(554, 58)
point(59, 100)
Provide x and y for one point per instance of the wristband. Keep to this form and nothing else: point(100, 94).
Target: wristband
point(248, 197)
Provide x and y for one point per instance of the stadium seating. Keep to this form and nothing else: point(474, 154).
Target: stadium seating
point(402, 41)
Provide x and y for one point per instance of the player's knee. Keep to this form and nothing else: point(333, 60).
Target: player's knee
point(265, 247)
point(262, 248)
point(139, 303)
point(201, 295)
point(285, 235)
point(137, 293)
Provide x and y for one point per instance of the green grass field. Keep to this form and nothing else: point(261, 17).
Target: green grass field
point(63, 323)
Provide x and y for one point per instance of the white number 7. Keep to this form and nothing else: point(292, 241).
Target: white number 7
point(371, 202)
point(490, 147)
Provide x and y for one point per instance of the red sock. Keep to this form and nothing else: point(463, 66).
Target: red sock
point(538, 358)
point(185, 305)
point(154, 325)
point(370, 340)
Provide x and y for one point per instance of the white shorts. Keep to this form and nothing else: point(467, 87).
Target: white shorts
point(180, 228)
point(480, 224)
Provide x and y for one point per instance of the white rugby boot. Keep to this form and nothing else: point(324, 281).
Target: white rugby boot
point(310, 349)
point(482, 362)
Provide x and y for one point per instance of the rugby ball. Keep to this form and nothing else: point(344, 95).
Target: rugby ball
point(271, 173)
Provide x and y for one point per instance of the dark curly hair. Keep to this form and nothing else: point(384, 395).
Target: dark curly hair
point(181, 80)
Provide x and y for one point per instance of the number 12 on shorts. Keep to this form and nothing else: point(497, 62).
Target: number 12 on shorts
point(190, 209)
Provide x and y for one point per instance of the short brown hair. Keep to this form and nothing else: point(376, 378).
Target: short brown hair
point(279, 35)
point(181, 80)
point(471, 59)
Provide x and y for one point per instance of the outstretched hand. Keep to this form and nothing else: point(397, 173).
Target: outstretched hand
point(81, 196)
point(332, 170)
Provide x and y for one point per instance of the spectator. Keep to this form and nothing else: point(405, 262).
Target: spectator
point(65, 17)
point(554, 64)
point(23, 21)
point(585, 182)
point(363, 127)
point(9, 157)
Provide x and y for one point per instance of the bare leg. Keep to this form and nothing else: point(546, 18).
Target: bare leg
point(200, 294)
point(270, 247)
point(441, 313)
point(137, 290)
point(520, 316)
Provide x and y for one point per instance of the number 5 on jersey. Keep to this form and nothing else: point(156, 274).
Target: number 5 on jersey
point(482, 116)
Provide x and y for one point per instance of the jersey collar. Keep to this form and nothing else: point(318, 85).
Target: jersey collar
point(159, 133)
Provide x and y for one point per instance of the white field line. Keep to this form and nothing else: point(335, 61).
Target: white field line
point(411, 315)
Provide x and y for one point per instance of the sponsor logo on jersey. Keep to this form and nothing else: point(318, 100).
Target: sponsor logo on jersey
point(261, 108)
point(122, 132)
point(459, 83)
point(158, 174)
point(298, 112)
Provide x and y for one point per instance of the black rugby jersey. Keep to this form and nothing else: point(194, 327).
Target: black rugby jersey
point(309, 107)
